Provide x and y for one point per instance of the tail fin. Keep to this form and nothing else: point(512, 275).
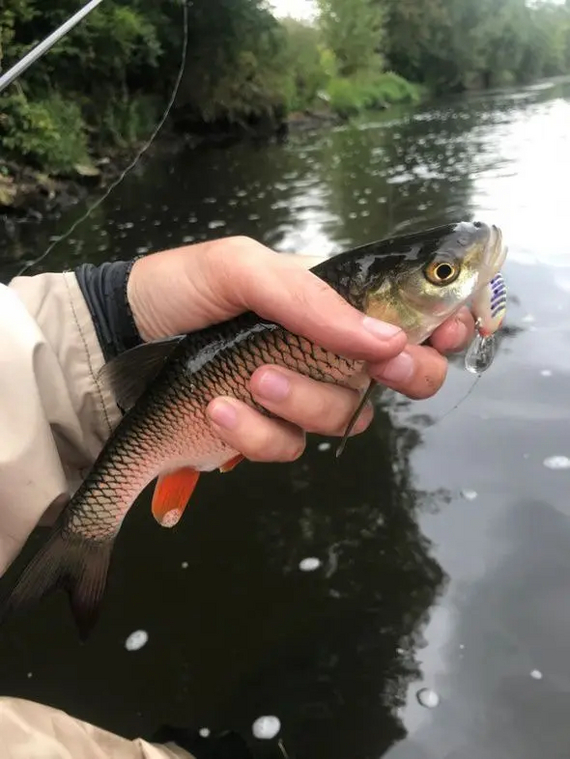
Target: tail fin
point(67, 561)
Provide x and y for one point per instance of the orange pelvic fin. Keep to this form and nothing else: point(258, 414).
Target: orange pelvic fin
point(171, 495)
point(232, 463)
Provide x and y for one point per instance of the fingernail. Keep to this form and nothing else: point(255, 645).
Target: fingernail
point(399, 369)
point(223, 414)
point(380, 329)
point(273, 386)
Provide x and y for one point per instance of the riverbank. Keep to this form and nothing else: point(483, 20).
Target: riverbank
point(25, 191)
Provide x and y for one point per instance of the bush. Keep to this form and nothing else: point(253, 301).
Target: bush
point(126, 122)
point(48, 134)
point(344, 96)
point(369, 91)
point(304, 64)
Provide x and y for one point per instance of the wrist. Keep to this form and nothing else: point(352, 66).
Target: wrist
point(137, 298)
point(104, 289)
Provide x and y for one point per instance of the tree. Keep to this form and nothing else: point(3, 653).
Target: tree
point(353, 30)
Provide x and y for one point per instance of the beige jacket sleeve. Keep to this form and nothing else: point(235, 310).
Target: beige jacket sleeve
point(54, 417)
point(33, 731)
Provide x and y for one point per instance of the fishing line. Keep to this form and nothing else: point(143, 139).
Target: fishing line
point(137, 157)
point(458, 404)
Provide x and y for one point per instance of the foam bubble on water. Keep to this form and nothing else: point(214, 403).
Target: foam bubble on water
point(216, 223)
point(557, 462)
point(30, 674)
point(536, 674)
point(546, 373)
point(469, 495)
point(324, 446)
point(266, 728)
point(309, 564)
point(136, 640)
point(184, 565)
point(204, 732)
point(428, 698)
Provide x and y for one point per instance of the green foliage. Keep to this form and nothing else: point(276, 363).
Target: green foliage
point(106, 83)
point(235, 70)
point(47, 134)
point(98, 87)
point(453, 45)
point(353, 30)
point(309, 66)
point(349, 96)
point(127, 121)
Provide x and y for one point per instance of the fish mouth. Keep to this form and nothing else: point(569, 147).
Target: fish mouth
point(494, 255)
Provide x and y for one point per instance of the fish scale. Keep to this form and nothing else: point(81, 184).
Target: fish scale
point(165, 388)
point(176, 400)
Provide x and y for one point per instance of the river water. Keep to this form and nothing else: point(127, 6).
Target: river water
point(443, 539)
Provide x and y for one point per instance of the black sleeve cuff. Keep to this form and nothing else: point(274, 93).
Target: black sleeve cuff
point(104, 288)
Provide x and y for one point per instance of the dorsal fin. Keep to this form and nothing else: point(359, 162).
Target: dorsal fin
point(131, 372)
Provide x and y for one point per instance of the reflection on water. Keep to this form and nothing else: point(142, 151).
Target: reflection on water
point(398, 601)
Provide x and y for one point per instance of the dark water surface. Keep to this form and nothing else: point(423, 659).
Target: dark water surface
point(444, 548)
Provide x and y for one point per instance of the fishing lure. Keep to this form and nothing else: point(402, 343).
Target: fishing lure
point(489, 308)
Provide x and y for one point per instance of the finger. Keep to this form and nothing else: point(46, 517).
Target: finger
point(313, 406)
point(455, 334)
point(257, 437)
point(419, 372)
point(191, 287)
point(252, 277)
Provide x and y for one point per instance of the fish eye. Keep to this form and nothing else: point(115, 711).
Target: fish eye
point(442, 272)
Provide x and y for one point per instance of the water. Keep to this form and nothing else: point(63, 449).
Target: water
point(428, 698)
point(309, 564)
point(444, 548)
point(136, 640)
point(266, 728)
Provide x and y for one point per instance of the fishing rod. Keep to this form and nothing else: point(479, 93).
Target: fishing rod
point(42, 47)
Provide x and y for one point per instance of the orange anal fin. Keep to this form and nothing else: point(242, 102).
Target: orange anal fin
point(171, 495)
point(232, 463)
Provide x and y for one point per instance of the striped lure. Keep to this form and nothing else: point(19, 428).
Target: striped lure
point(489, 308)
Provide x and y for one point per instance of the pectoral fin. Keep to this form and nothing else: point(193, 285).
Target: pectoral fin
point(131, 372)
point(171, 495)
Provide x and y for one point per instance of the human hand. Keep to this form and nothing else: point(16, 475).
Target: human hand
point(191, 287)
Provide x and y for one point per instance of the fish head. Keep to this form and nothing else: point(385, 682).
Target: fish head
point(420, 280)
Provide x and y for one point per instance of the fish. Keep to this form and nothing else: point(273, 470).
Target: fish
point(415, 281)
